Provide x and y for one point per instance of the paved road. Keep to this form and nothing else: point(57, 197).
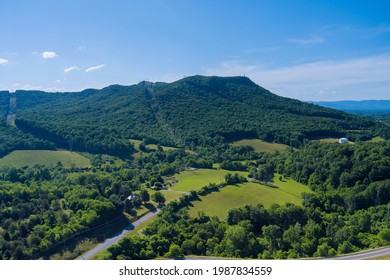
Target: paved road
point(366, 255)
point(115, 238)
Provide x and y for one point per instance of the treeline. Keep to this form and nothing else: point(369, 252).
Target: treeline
point(356, 176)
point(38, 212)
point(280, 232)
point(12, 139)
point(42, 207)
point(346, 213)
point(86, 139)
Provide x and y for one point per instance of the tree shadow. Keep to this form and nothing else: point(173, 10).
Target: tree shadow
point(150, 207)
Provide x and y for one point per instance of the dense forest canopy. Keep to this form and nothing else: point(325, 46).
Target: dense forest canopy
point(183, 113)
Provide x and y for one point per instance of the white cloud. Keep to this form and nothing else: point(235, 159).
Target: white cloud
point(356, 79)
point(49, 55)
point(70, 69)
point(3, 61)
point(94, 68)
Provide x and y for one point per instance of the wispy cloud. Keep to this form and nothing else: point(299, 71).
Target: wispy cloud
point(49, 55)
point(70, 69)
point(307, 41)
point(360, 78)
point(94, 68)
point(3, 61)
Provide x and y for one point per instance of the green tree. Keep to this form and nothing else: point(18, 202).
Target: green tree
point(174, 251)
point(158, 197)
point(144, 194)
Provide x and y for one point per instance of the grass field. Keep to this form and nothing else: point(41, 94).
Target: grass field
point(219, 203)
point(196, 179)
point(376, 139)
point(260, 145)
point(168, 194)
point(329, 140)
point(332, 140)
point(22, 158)
point(137, 143)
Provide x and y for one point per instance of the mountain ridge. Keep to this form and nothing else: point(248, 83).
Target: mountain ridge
point(183, 113)
point(355, 106)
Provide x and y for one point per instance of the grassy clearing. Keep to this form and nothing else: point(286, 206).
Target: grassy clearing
point(22, 158)
point(168, 194)
point(332, 140)
point(376, 139)
point(329, 140)
point(219, 203)
point(196, 179)
point(137, 143)
point(260, 145)
point(139, 153)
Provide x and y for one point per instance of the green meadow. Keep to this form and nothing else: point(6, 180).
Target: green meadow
point(196, 179)
point(219, 203)
point(260, 145)
point(22, 158)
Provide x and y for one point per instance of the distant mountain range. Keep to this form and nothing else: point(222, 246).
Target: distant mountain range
point(186, 113)
point(365, 107)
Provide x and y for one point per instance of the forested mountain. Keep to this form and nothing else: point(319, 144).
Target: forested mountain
point(181, 113)
point(184, 113)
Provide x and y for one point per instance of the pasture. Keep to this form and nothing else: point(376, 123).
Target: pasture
point(219, 203)
point(48, 158)
point(189, 180)
point(260, 145)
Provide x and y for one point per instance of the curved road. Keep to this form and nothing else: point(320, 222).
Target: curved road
point(365, 255)
point(115, 238)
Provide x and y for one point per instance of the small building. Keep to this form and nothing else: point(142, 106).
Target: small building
point(132, 196)
point(343, 140)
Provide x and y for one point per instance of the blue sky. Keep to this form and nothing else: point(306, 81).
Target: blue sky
point(308, 50)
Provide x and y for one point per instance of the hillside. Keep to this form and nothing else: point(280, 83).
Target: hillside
point(184, 113)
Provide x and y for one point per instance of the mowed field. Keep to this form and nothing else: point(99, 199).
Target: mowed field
point(137, 143)
point(332, 140)
point(260, 145)
point(219, 203)
point(44, 157)
point(196, 179)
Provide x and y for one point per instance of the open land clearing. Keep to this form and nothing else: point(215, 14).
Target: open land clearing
point(260, 145)
point(192, 180)
point(22, 158)
point(219, 203)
